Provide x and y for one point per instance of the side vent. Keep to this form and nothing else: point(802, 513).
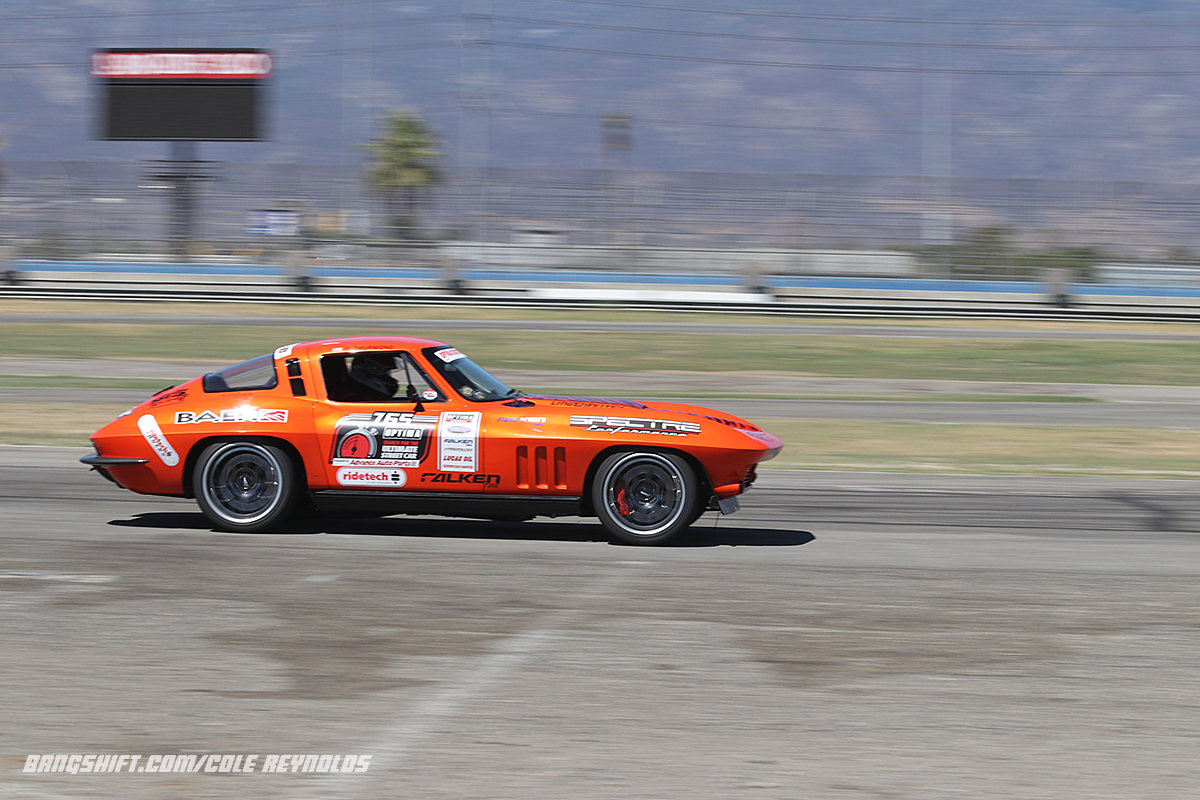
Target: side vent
point(546, 467)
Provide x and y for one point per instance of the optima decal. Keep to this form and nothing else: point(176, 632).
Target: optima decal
point(660, 427)
point(233, 415)
point(383, 438)
point(154, 436)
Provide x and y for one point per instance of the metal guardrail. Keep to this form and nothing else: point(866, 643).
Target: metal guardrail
point(790, 302)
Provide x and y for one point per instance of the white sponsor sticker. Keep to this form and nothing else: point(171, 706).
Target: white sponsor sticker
point(449, 354)
point(458, 441)
point(371, 476)
point(285, 351)
point(154, 435)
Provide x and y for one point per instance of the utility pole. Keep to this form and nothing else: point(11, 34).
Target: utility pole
point(474, 146)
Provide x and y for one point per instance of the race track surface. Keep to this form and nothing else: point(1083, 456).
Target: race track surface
point(843, 636)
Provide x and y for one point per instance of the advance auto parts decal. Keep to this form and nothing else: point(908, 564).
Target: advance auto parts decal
point(382, 439)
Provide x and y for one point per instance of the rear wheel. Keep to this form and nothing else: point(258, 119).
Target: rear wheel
point(245, 486)
point(645, 497)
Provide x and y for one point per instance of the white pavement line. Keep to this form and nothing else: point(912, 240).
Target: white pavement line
point(510, 654)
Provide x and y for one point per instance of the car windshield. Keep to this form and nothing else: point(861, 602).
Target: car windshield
point(468, 378)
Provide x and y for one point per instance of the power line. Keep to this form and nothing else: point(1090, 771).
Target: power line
point(608, 103)
point(856, 68)
point(742, 12)
point(1057, 47)
point(290, 8)
point(240, 33)
point(833, 129)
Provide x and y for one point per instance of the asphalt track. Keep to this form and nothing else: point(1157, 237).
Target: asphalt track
point(843, 636)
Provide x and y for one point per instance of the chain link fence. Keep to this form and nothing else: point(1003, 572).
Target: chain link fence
point(612, 220)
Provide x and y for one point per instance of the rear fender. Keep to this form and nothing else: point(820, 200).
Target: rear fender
point(193, 456)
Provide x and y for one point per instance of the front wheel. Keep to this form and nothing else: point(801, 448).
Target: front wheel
point(645, 497)
point(245, 486)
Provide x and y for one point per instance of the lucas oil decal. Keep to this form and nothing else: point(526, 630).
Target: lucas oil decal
point(382, 439)
point(458, 441)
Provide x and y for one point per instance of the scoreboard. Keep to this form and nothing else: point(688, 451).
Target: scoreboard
point(181, 94)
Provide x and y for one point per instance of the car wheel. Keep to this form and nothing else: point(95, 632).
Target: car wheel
point(645, 497)
point(245, 486)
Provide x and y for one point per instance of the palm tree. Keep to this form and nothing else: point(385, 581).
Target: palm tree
point(402, 165)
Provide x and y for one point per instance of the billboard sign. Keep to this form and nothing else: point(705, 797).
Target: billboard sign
point(181, 94)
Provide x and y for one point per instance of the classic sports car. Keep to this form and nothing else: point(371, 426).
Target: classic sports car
point(376, 426)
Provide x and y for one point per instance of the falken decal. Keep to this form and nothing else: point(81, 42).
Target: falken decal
point(460, 477)
point(659, 427)
point(157, 440)
point(245, 414)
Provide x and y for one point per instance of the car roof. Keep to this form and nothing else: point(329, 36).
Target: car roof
point(356, 344)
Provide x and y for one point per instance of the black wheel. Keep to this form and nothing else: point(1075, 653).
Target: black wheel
point(645, 497)
point(245, 486)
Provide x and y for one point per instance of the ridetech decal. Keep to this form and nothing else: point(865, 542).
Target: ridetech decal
point(243, 414)
point(660, 427)
point(458, 441)
point(154, 435)
point(355, 476)
point(383, 438)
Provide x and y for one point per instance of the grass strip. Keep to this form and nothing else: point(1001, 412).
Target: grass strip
point(986, 449)
point(1147, 363)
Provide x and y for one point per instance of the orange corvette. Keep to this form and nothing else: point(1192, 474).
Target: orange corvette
point(375, 426)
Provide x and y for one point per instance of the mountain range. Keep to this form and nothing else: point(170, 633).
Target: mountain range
point(1088, 90)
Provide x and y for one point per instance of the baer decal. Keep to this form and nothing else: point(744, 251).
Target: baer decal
point(382, 438)
point(243, 414)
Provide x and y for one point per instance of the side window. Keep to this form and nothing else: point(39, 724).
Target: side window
point(376, 378)
point(257, 373)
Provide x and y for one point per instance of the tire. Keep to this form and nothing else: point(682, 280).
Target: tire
point(645, 497)
point(245, 486)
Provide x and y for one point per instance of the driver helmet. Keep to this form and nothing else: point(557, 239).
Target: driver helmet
point(375, 373)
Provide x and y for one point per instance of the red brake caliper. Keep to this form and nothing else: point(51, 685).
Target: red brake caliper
point(622, 505)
